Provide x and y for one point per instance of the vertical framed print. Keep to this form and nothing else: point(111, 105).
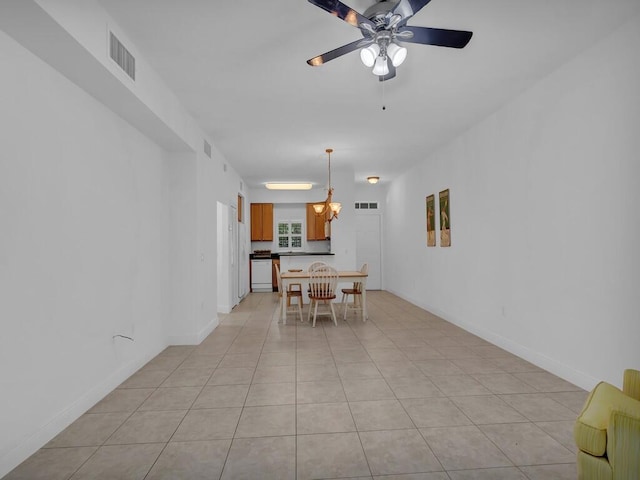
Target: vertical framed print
point(431, 220)
point(445, 219)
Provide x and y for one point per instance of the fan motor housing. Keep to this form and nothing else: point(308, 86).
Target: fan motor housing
point(377, 13)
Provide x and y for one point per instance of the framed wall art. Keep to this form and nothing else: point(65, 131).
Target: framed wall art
point(445, 219)
point(431, 220)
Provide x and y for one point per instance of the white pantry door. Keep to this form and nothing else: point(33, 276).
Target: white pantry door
point(369, 247)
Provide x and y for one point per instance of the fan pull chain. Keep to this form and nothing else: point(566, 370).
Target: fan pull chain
point(384, 107)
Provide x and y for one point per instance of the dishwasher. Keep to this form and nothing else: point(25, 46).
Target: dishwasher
point(261, 275)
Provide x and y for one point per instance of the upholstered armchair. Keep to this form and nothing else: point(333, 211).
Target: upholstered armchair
point(607, 432)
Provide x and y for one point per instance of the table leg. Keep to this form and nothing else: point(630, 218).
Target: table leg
point(283, 310)
point(365, 315)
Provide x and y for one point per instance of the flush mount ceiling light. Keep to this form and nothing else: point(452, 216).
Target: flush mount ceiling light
point(382, 26)
point(329, 208)
point(373, 180)
point(288, 186)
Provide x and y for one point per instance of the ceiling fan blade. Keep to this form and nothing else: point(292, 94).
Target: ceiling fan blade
point(338, 52)
point(390, 75)
point(342, 11)
point(437, 36)
point(408, 8)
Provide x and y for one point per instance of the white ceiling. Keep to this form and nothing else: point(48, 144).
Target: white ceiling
point(240, 68)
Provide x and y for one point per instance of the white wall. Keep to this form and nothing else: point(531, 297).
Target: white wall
point(103, 230)
point(182, 325)
point(365, 192)
point(84, 251)
point(220, 184)
point(544, 220)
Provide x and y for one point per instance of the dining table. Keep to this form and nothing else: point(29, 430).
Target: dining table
point(302, 277)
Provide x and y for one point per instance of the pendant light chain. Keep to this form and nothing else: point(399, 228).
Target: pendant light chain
point(329, 150)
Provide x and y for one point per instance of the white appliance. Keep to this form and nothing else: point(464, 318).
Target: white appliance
point(261, 275)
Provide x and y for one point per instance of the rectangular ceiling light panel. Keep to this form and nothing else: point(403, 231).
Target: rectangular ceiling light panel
point(289, 186)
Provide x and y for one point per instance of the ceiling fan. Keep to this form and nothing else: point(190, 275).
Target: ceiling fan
point(383, 25)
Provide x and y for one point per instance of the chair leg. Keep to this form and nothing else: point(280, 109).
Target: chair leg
point(333, 314)
point(309, 312)
point(315, 312)
point(345, 302)
point(299, 309)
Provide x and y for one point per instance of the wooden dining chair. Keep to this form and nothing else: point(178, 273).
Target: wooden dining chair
point(294, 287)
point(290, 293)
point(323, 283)
point(356, 292)
point(315, 265)
point(311, 268)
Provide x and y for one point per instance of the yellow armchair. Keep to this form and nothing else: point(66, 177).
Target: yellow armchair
point(607, 431)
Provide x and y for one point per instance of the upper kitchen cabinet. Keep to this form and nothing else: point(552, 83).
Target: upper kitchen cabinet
point(262, 222)
point(316, 225)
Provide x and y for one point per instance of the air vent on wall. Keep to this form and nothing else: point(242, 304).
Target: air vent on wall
point(207, 148)
point(122, 56)
point(367, 205)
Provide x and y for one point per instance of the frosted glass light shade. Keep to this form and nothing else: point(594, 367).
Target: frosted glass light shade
point(369, 54)
point(318, 207)
point(335, 207)
point(381, 67)
point(396, 53)
point(288, 186)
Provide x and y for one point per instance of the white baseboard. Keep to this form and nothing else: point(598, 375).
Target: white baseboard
point(196, 338)
point(204, 333)
point(70, 414)
point(545, 362)
point(224, 309)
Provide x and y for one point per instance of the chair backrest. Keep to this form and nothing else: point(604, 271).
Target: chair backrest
point(323, 282)
point(357, 286)
point(278, 279)
point(315, 265)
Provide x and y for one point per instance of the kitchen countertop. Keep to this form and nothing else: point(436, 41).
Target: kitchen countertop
point(276, 255)
point(303, 254)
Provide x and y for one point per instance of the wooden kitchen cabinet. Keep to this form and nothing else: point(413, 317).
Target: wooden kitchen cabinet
point(262, 222)
point(315, 225)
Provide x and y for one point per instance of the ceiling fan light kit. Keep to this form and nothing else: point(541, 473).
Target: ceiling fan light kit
point(369, 54)
point(382, 26)
point(381, 67)
point(396, 54)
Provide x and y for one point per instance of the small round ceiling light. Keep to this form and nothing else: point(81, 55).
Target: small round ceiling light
point(373, 180)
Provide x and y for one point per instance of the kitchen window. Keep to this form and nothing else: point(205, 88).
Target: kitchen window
point(290, 234)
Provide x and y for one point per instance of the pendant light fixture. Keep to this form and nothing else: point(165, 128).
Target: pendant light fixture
point(329, 208)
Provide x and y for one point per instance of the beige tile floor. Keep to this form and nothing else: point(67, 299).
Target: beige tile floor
point(405, 395)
